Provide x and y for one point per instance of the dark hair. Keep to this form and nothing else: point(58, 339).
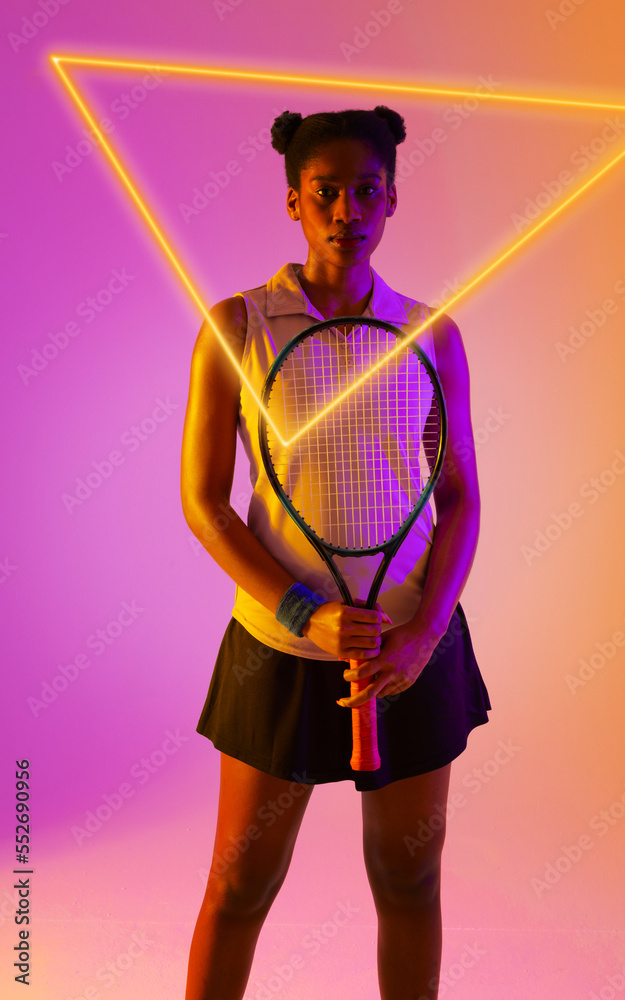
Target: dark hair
point(300, 138)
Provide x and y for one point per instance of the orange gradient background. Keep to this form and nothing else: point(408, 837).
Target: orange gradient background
point(532, 883)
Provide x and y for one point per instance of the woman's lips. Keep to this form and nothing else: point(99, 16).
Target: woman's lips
point(347, 243)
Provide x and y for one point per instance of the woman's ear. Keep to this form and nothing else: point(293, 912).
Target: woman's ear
point(292, 204)
point(391, 200)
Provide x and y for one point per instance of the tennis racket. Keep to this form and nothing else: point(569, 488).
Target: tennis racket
point(357, 444)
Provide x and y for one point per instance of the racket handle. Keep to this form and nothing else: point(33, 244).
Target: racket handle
point(365, 756)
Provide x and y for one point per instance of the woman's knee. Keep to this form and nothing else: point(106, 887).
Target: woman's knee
point(402, 878)
point(249, 864)
point(403, 837)
point(241, 889)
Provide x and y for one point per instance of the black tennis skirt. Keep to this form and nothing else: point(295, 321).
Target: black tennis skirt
point(278, 712)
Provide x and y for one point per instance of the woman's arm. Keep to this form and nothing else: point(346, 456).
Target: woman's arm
point(207, 470)
point(208, 457)
point(456, 494)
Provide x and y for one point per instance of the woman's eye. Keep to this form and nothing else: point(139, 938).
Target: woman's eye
point(368, 189)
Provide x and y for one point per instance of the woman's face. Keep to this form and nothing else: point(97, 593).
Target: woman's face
point(343, 202)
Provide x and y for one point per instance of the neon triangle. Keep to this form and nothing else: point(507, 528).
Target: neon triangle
point(256, 76)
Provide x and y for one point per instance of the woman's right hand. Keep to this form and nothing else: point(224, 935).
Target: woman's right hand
point(348, 633)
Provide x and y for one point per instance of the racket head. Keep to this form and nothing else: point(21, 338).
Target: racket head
point(353, 406)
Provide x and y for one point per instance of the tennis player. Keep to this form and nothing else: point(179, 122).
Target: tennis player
point(278, 704)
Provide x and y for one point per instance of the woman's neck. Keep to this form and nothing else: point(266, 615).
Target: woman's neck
point(336, 291)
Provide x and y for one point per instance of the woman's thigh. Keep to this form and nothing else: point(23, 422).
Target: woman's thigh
point(258, 820)
point(404, 829)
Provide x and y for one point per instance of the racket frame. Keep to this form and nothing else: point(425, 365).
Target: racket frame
point(390, 547)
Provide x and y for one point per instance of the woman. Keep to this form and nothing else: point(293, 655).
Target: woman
point(277, 699)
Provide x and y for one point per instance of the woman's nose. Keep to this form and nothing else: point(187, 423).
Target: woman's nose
point(346, 209)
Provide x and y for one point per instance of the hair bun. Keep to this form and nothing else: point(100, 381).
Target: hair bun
point(394, 121)
point(284, 128)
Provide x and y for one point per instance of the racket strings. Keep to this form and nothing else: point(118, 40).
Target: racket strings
point(356, 472)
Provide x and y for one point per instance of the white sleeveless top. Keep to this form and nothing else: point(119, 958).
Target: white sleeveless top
point(276, 312)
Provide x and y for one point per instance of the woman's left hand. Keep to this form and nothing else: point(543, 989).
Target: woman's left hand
point(402, 657)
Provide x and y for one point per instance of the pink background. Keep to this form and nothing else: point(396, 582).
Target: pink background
point(547, 422)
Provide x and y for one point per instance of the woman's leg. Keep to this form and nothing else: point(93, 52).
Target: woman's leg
point(250, 860)
point(403, 836)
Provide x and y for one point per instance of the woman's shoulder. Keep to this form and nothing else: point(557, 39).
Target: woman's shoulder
point(451, 359)
point(232, 311)
point(445, 330)
point(228, 318)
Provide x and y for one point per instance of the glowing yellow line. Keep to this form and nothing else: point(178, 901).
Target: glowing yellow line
point(303, 80)
point(194, 294)
point(326, 81)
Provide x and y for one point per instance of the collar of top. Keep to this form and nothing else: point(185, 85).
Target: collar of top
point(285, 296)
